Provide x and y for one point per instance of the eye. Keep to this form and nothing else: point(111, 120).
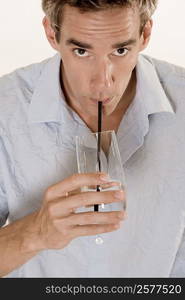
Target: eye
point(121, 52)
point(80, 52)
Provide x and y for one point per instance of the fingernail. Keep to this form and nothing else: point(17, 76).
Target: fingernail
point(104, 177)
point(118, 194)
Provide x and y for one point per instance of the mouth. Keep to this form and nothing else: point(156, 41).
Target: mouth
point(104, 101)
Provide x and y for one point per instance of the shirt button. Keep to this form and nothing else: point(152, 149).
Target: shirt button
point(99, 241)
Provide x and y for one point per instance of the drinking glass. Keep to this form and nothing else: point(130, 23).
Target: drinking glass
point(99, 152)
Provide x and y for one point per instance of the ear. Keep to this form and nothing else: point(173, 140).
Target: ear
point(146, 34)
point(50, 33)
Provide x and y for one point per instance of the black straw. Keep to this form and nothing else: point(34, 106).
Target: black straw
point(99, 145)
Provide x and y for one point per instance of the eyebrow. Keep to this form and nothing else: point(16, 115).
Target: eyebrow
point(80, 44)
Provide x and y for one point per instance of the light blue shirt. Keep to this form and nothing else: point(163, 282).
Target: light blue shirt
point(37, 149)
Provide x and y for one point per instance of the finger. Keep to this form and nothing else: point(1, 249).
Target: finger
point(105, 185)
point(110, 185)
point(87, 230)
point(64, 206)
point(67, 205)
point(89, 218)
point(74, 182)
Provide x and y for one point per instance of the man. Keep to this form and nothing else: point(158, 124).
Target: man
point(44, 106)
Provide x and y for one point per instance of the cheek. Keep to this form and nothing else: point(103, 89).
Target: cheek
point(124, 76)
point(72, 70)
point(128, 66)
point(78, 80)
point(125, 72)
point(134, 57)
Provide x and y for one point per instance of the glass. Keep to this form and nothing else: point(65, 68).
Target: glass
point(99, 152)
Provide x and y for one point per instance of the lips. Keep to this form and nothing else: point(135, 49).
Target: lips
point(104, 101)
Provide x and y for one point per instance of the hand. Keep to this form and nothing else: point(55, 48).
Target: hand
point(57, 219)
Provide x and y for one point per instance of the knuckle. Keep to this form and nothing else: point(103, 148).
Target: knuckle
point(48, 194)
point(73, 179)
point(50, 208)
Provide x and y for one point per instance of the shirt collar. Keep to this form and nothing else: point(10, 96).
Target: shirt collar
point(149, 88)
point(48, 97)
point(150, 99)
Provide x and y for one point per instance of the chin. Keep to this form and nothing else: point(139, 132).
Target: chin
point(108, 110)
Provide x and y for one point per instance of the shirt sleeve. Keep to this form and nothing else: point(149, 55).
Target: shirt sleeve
point(178, 269)
point(3, 197)
point(3, 207)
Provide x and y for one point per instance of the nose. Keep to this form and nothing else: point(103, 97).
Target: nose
point(102, 77)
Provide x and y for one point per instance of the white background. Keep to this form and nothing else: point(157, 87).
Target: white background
point(23, 41)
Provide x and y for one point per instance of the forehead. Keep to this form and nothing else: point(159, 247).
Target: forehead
point(109, 23)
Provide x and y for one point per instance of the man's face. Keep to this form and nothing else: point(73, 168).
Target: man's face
point(99, 51)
